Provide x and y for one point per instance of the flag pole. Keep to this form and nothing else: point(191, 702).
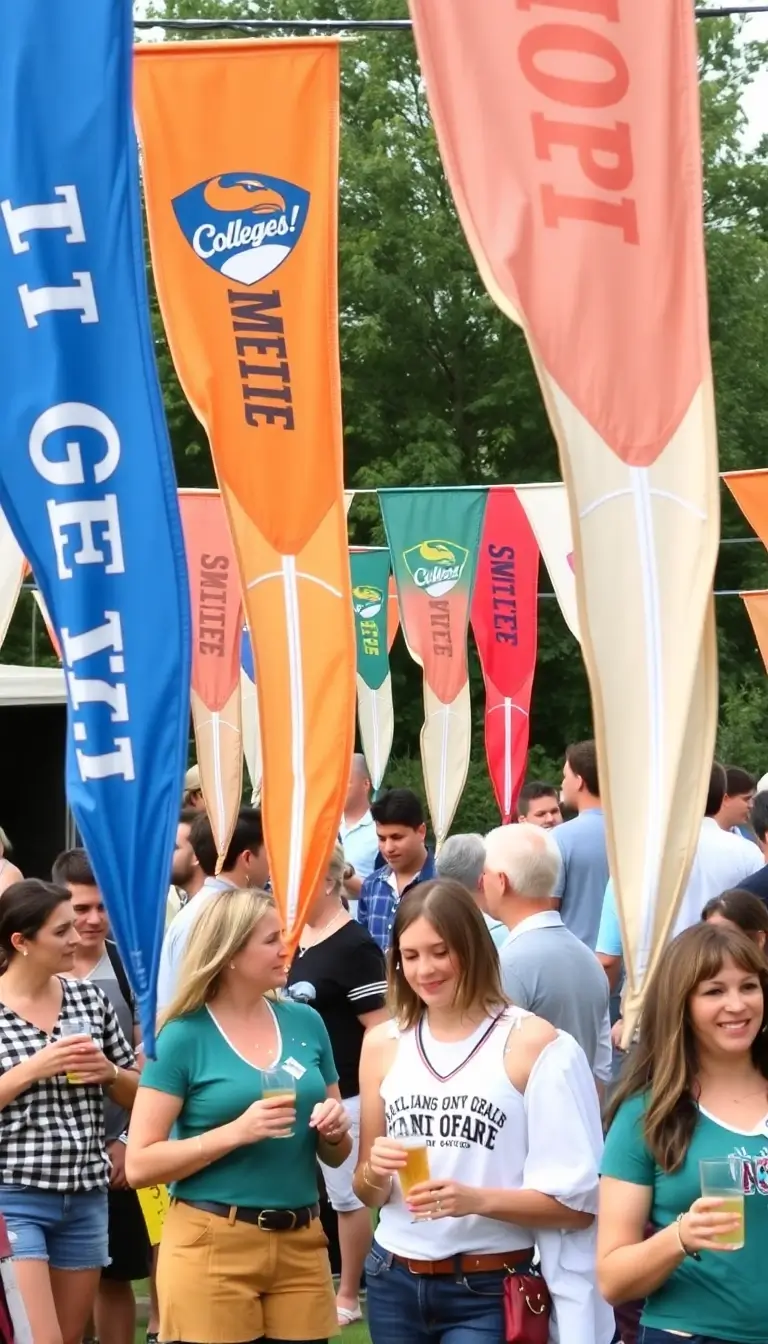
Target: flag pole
point(358, 25)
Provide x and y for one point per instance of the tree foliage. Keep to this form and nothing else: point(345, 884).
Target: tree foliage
point(438, 386)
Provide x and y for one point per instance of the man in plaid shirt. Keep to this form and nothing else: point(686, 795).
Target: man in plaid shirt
point(401, 831)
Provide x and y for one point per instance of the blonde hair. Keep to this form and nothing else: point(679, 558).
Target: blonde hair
point(219, 934)
point(5, 845)
point(336, 868)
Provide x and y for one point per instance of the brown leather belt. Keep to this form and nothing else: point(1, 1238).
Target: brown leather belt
point(467, 1264)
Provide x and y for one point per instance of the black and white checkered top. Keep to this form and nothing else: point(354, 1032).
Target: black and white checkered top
point(52, 1133)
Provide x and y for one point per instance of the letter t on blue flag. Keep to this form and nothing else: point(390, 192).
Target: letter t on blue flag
point(86, 475)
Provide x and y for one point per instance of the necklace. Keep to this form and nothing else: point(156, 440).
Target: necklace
point(304, 947)
point(745, 1096)
point(446, 1077)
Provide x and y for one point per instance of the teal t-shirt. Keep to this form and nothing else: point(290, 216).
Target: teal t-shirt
point(723, 1295)
point(196, 1062)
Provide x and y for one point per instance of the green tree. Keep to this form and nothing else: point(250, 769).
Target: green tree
point(438, 386)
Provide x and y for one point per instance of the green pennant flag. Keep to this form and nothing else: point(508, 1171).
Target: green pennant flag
point(370, 588)
point(434, 540)
point(374, 630)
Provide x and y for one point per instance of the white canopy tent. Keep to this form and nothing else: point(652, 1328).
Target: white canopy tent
point(31, 685)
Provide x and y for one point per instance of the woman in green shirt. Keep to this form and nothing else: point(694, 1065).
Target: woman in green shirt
point(243, 1255)
point(695, 1088)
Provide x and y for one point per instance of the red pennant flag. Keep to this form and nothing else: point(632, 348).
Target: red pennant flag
point(504, 619)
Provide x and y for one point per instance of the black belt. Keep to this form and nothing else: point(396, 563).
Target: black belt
point(268, 1220)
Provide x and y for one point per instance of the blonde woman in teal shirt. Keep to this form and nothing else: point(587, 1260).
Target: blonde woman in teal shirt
point(695, 1088)
point(243, 1255)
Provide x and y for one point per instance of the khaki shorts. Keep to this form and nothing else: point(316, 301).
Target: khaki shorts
point(229, 1283)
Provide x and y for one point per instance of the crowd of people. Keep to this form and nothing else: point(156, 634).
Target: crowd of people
point(438, 1059)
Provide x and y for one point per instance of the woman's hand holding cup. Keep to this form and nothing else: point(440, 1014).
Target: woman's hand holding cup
point(272, 1118)
point(388, 1157)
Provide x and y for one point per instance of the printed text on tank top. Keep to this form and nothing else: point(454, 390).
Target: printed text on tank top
point(473, 1122)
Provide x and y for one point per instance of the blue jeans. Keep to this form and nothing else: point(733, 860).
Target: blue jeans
point(650, 1335)
point(70, 1231)
point(420, 1309)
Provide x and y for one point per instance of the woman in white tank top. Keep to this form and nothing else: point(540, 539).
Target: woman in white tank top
point(504, 1109)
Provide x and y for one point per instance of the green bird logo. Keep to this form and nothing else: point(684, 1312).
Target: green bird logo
point(436, 566)
point(367, 601)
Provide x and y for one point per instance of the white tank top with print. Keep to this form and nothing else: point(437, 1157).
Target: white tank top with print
point(457, 1094)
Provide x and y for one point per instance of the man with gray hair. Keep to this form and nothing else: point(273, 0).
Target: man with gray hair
point(462, 858)
point(357, 833)
point(544, 967)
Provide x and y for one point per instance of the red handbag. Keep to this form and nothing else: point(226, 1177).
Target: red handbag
point(527, 1309)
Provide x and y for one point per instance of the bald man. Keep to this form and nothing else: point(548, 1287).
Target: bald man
point(358, 829)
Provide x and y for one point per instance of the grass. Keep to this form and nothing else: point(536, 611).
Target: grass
point(353, 1334)
point(356, 1334)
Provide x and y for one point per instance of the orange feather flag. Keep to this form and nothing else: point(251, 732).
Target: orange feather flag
point(242, 210)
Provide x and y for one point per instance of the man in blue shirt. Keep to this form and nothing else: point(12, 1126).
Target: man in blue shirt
point(584, 875)
point(758, 818)
point(357, 832)
point(401, 833)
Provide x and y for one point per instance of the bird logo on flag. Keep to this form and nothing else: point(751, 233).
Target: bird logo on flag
point(242, 225)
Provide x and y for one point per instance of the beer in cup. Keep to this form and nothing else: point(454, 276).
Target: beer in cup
point(721, 1179)
point(74, 1028)
point(278, 1082)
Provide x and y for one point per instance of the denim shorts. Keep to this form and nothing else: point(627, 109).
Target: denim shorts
point(70, 1231)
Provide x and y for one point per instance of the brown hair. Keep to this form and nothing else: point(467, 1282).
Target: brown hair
point(449, 908)
point(582, 758)
point(664, 1063)
point(740, 907)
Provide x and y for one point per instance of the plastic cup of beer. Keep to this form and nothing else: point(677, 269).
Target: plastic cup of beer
point(278, 1082)
point(416, 1168)
point(721, 1179)
point(72, 1027)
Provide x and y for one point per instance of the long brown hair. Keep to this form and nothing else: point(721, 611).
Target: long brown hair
point(664, 1063)
point(449, 908)
point(742, 908)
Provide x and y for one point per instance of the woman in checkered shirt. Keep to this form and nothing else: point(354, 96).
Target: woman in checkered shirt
point(61, 1050)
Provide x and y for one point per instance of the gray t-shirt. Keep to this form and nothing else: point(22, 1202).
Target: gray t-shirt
point(547, 970)
point(584, 874)
point(103, 975)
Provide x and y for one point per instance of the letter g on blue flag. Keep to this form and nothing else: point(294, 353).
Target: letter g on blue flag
point(86, 475)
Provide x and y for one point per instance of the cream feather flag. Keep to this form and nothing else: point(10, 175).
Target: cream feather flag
point(569, 131)
point(250, 716)
point(548, 512)
point(12, 566)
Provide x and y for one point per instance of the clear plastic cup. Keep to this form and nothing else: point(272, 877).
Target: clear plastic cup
point(721, 1179)
point(73, 1027)
point(278, 1082)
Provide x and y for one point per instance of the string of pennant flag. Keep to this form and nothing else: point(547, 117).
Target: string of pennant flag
point(361, 25)
point(457, 557)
